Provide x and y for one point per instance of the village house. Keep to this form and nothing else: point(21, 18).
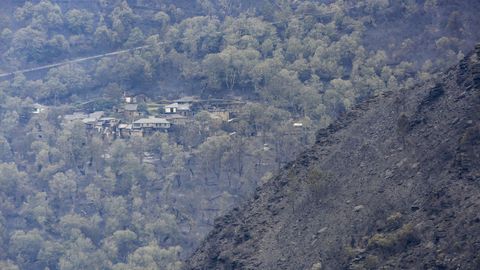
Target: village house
point(176, 119)
point(124, 130)
point(107, 126)
point(129, 125)
point(149, 125)
point(131, 111)
point(97, 115)
point(151, 122)
point(131, 99)
point(92, 121)
point(88, 119)
point(76, 116)
point(38, 108)
point(89, 123)
point(181, 109)
point(107, 122)
point(171, 108)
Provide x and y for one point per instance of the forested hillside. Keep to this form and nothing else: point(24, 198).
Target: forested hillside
point(72, 199)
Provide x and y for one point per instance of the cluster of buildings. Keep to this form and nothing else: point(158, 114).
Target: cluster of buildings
point(130, 119)
point(119, 127)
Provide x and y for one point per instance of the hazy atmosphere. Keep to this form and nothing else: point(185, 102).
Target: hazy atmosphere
point(224, 134)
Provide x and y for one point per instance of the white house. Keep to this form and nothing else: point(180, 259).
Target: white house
point(38, 108)
point(171, 108)
point(182, 109)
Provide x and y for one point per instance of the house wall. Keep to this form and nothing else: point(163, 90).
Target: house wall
point(170, 110)
point(132, 114)
point(185, 113)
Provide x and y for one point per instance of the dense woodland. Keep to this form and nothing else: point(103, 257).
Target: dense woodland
point(72, 201)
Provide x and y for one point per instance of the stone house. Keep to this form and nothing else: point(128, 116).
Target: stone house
point(150, 125)
point(130, 111)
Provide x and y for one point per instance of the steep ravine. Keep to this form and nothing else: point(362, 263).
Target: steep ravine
point(394, 185)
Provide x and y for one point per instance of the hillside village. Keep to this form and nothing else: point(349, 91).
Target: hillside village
point(138, 116)
point(129, 126)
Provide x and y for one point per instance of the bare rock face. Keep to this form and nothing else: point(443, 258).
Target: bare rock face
point(394, 186)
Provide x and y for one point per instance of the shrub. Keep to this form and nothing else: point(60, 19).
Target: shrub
point(396, 240)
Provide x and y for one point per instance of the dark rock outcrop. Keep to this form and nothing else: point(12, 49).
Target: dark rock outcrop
point(394, 186)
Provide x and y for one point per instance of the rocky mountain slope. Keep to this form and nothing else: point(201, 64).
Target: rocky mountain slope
point(394, 185)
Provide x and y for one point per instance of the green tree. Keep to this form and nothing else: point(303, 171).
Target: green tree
point(127, 69)
point(36, 209)
point(11, 180)
point(163, 19)
point(65, 81)
point(231, 67)
point(123, 19)
point(105, 37)
point(64, 188)
point(73, 142)
point(50, 253)
point(6, 36)
point(116, 214)
point(130, 173)
point(210, 154)
point(154, 257)
point(81, 253)
point(44, 15)
point(56, 47)
point(135, 39)
point(24, 246)
point(6, 153)
point(28, 45)
point(80, 21)
point(120, 244)
point(198, 35)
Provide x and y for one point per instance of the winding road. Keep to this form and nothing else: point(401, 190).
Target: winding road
point(78, 60)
